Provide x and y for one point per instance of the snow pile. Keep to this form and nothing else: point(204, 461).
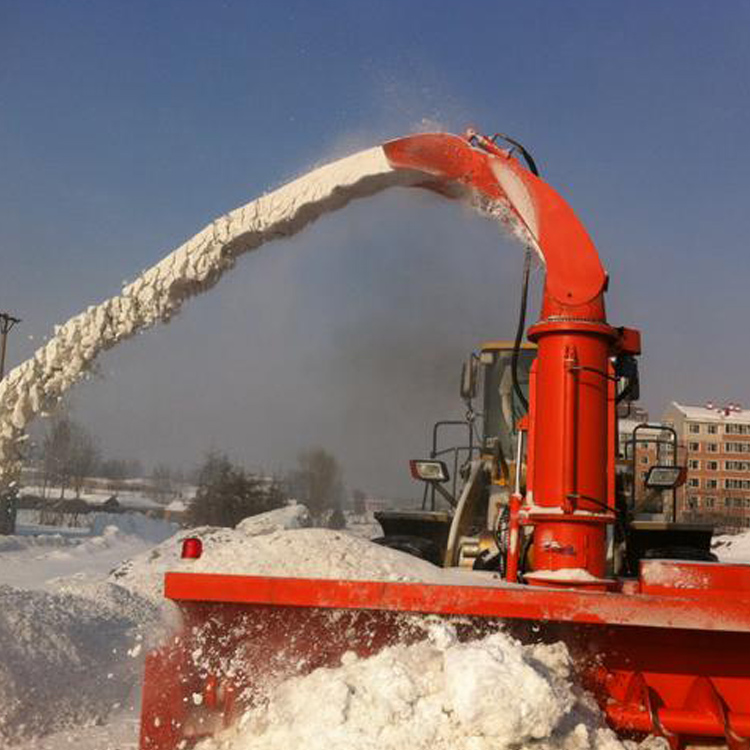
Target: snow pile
point(437, 694)
point(68, 657)
point(733, 548)
point(274, 545)
point(72, 643)
point(364, 525)
point(37, 384)
point(295, 516)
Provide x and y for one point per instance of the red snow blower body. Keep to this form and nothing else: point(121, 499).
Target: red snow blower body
point(664, 647)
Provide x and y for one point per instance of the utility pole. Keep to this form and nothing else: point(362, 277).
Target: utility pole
point(7, 322)
point(7, 494)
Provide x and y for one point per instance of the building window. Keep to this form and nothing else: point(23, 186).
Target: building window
point(710, 502)
point(695, 429)
point(712, 465)
point(737, 465)
point(712, 484)
point(738, 502)
point(727, 502)
point(694, 463)
point(737, 429)
point(694, 482)
point(712, 447)
point(737, 484)
point(712, 429)
point(644, 459)
point(747, 502)
point(695, 446)
point(692, 503)
point(737, 447)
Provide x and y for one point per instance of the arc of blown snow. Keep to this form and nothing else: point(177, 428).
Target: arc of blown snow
point(158, 294)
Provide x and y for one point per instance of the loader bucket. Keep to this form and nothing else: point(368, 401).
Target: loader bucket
point(666, 654)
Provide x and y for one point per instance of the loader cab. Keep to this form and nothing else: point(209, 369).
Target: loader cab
point(502, 407)
point(474, 460)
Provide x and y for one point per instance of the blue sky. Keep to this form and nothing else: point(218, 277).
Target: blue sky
point(125, 127)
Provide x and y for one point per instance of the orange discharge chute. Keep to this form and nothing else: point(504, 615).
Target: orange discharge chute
point(575, 276)
point(665, 650)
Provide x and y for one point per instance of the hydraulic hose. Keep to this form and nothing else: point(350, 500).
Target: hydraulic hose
point(520, 330)
point(528, 158)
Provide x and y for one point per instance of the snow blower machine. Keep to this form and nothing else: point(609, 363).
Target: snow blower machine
point(659, 630)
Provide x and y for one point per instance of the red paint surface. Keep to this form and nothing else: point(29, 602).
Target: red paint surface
point(645, 656)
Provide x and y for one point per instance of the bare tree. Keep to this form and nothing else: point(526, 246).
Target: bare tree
point(84, 456)
point(358, 503)
point(317, 482)
point(162, 483)
point(69, 455)
point(56, 452)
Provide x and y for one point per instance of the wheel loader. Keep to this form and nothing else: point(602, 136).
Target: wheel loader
point(469, 529)
point(659, 636)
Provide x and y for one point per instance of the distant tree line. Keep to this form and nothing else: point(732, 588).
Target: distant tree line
point(226, 493)
point(68, 454)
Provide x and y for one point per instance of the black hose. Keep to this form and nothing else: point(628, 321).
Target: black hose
point(520, 330)
point(526, 155)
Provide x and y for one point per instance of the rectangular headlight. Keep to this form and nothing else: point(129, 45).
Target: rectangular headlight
point(664, 477)
point(429, 471)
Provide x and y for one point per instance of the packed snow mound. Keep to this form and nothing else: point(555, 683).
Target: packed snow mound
point(68, 657)
point(733, 548)
point(72, 643)
point(437, 694)
point(314, 553)
point(257, 550)
point(295, 516)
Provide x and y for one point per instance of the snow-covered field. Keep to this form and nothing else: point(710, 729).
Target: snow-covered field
point(78, 611)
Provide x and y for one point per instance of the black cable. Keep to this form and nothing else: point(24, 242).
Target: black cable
point(520, 330)
point(526, 155)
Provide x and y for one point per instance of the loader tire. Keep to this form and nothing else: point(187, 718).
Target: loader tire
point(416, 546)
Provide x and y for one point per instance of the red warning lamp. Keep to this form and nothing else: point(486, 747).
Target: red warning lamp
point(192, 548)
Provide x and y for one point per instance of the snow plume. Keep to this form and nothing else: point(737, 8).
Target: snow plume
point(438, 694)
point(37, 385)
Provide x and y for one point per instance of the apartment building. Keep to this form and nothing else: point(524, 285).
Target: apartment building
point(716, 439)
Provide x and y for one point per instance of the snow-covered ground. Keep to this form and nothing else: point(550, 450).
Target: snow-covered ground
point(73, 642)
point(733, 548)
point(41, 560)
point(79, 610)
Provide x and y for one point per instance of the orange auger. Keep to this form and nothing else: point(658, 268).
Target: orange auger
point(666, 651)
